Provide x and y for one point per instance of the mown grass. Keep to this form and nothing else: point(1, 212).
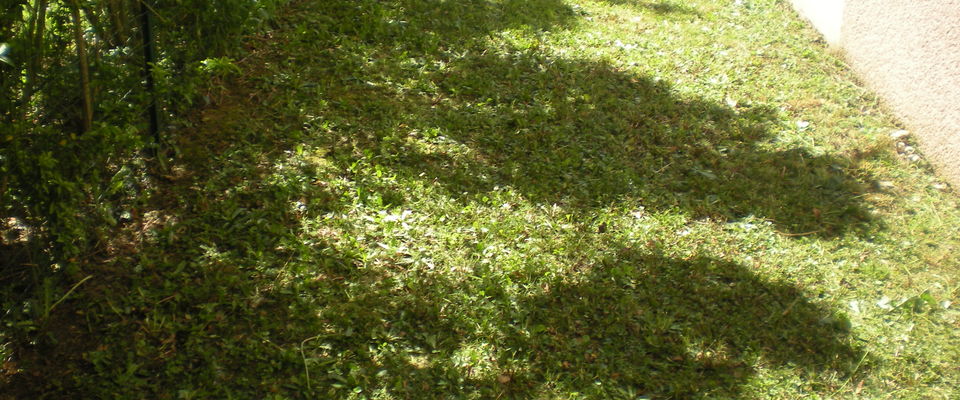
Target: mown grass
point(523, 199)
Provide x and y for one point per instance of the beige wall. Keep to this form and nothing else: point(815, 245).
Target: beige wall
point(825, 15)
point(909, 52)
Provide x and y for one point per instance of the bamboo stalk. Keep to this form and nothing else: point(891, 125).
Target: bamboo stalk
point(116, 10)
point(37, 26)
point(84, 65)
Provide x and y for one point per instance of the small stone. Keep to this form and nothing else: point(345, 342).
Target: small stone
point(854, 306)
point(884, 303)
point(899, 134)
point(914, 157)
point(885, 185)
point(939, 186)
point(909, 150)
point(901, 146)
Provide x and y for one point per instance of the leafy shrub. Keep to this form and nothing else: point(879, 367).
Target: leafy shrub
point(73, 122)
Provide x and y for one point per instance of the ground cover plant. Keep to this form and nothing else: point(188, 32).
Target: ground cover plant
point(516, 199)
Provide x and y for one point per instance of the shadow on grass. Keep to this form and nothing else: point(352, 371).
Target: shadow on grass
point(194, 285)
point(222, 296)
point(586, 134)
point(638, 325)
point(197, 304)
point(428, 98)
point(317, 325)
point(429, 24)
point(681, 328)
point(662, 7)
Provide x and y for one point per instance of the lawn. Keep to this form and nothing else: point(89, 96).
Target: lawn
point(493, 199)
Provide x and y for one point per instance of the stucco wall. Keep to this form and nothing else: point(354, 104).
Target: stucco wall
point(909, 52)
point(825, 15)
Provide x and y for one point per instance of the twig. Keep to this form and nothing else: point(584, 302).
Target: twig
point(852, 373)
point(154, 11)
point(75, 286)
point(800, 234)
point(303, 356)
point(664, 167)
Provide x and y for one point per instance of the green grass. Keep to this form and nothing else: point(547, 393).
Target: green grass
point(563, 199)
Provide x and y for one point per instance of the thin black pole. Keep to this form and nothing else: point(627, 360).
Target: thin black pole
point(146, 21)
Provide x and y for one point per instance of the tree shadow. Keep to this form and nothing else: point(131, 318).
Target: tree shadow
point(260, 316)
point(199, 291)
point(586, 134)
point(704, 323)
point(224, 294)
point(637, 325)
point(429, 24)
point(577, 133)
point(663, 7)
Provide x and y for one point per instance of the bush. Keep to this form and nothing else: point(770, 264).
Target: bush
point(68, 180)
